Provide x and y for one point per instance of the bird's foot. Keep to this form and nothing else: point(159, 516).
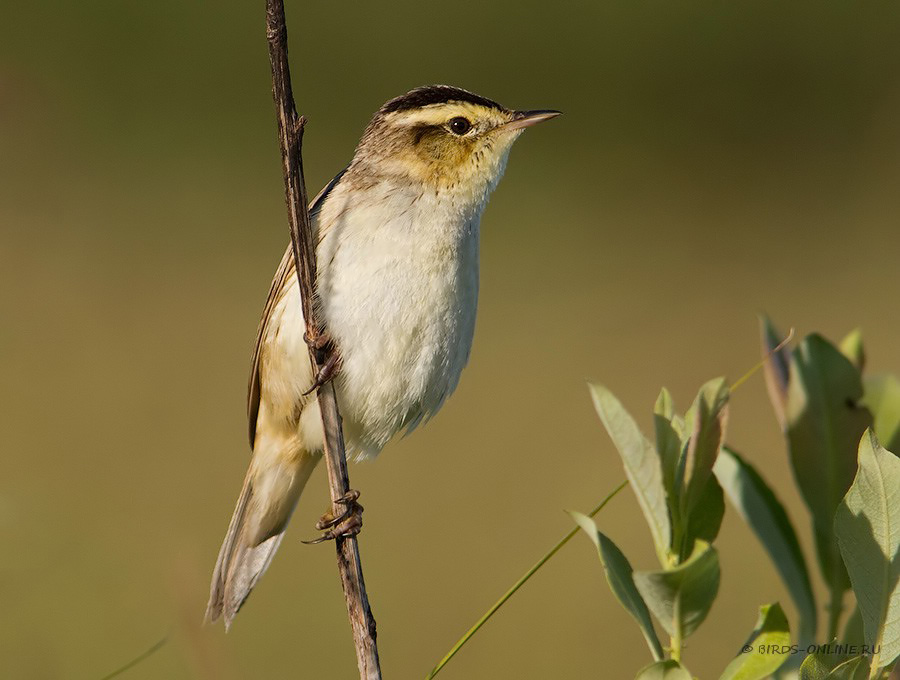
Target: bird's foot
point(320, 342)
point(347, 523)
point(327, 358)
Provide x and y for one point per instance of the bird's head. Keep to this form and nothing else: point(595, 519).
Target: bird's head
point(442, 138)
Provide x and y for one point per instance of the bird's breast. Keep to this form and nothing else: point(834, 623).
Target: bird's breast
point(398, 280)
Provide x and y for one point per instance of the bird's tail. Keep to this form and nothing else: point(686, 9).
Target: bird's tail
point(270, 494)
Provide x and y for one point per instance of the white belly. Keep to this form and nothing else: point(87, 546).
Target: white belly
point(399, 296)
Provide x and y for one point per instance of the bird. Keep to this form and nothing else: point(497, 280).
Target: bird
point(397, 240)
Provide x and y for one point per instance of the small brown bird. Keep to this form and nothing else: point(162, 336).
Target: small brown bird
point(397, 234)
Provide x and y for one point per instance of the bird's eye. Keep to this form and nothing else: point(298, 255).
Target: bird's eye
point(460, 125)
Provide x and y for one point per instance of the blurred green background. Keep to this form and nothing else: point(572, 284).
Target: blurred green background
point(715, 160)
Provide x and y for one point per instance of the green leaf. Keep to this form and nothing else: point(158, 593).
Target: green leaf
point(664, 406)
point(671, 443)
point(767, 647)
point(680, 598)
point(705, 519)
point(818, 665)
point(856, 668)
point(776, 369)
point(852, 348)
point(825, 423)
point(761, 510)
point(664, 670)
point(668, 441)
point(706, 420)
point(867, 524)
point(619, 576)
point(882, 397)
point(642, 467)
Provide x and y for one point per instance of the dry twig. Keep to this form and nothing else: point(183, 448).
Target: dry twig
point(290, 131)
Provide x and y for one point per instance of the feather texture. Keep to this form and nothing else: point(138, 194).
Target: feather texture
point(397, 277)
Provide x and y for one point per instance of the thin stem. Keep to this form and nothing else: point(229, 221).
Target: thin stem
point(875, 670)
point(135, 661)
point(290, 133)
point(518, 584)
point(749, 374)
point(676, 639)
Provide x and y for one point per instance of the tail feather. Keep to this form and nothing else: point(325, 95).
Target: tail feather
point(246, 570)
point(257, 527)
point(216, 605)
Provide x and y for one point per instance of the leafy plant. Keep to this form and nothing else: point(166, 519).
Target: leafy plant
point(755, 502)
point(840, 427)
point(682, 501)
point(817, 401)
point(867, 526)
point(765, 650)
point(832, 416)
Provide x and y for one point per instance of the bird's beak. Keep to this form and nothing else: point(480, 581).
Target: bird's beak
point(524, 119)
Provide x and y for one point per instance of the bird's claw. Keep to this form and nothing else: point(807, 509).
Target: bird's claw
point(327, 358)
point(318, 342)
point(346, 524)
point(349, 501)
point(325, 373)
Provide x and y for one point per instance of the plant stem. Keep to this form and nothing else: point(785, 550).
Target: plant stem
point(290, 133)
point(768, 356)
point(676, 638)
point(518, 584)
point(135, 661)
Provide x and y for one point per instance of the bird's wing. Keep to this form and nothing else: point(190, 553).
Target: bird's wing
point(285, 270)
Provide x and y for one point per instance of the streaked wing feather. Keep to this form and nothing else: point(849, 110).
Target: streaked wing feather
point(285, 270)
